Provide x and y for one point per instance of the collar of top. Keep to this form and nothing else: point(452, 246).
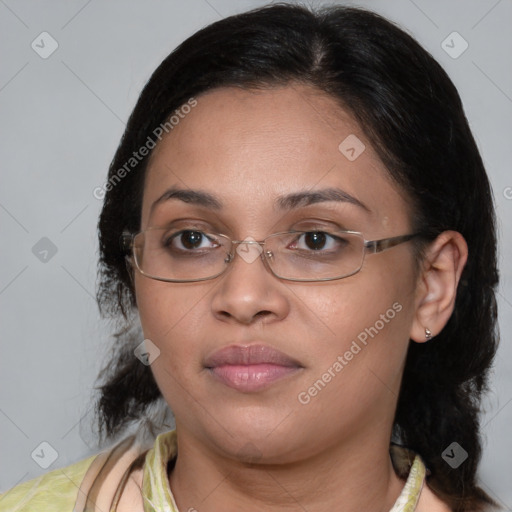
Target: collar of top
point(157, 494)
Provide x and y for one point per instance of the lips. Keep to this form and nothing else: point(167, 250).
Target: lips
point(249, 355)
point(250, 368)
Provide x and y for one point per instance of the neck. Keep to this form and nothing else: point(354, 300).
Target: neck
point(351, 477)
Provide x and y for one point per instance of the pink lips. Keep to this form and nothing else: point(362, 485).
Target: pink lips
point(250, 368)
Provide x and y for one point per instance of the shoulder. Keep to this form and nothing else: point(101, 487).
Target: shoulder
point(56, 490)
point(71, 488)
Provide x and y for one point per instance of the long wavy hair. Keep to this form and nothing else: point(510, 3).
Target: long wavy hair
point(412, 114)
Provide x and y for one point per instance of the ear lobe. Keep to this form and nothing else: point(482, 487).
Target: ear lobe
point(437, 284)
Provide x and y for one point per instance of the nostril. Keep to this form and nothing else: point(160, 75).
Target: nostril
point(263, 313)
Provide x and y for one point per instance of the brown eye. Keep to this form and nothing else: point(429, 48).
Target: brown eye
point(315, 240)
point(188, 240)
point(191, 239)
point(318, 241)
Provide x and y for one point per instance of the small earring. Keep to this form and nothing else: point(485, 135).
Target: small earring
point(428, 334)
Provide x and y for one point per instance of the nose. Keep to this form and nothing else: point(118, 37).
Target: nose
point(248, 292)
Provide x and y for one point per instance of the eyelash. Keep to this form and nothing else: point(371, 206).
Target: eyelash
point(340, 243)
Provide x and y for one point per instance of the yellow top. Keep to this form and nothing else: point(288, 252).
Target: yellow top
point(99, 481)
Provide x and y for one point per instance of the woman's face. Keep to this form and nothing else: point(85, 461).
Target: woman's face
point(345, 340)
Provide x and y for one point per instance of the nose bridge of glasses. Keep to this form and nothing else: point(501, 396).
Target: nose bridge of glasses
point(247, 255)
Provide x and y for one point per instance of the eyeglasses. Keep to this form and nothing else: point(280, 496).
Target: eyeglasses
point(187, 255)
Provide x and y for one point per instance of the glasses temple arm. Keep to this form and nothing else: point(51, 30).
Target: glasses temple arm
point(375, 246)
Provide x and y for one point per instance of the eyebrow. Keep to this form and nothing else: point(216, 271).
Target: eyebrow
point(285, 202)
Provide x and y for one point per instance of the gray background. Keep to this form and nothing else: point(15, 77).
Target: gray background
point(61, 120)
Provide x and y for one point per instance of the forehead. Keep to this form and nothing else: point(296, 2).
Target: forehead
point(250, 147)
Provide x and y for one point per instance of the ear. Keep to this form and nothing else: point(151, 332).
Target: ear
point(437, 284)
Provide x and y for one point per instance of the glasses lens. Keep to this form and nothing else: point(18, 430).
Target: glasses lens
point(191, 254)
point(180, 254)
point(316, 255)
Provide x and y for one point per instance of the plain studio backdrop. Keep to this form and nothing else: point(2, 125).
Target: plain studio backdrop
point(71, 73)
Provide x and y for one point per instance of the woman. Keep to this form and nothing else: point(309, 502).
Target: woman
point(300, 219)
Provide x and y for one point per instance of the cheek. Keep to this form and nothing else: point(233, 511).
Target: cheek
point(164, 307)
point(358, 365)
point(172, 317)
point(368, 319)
point(347, 309)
